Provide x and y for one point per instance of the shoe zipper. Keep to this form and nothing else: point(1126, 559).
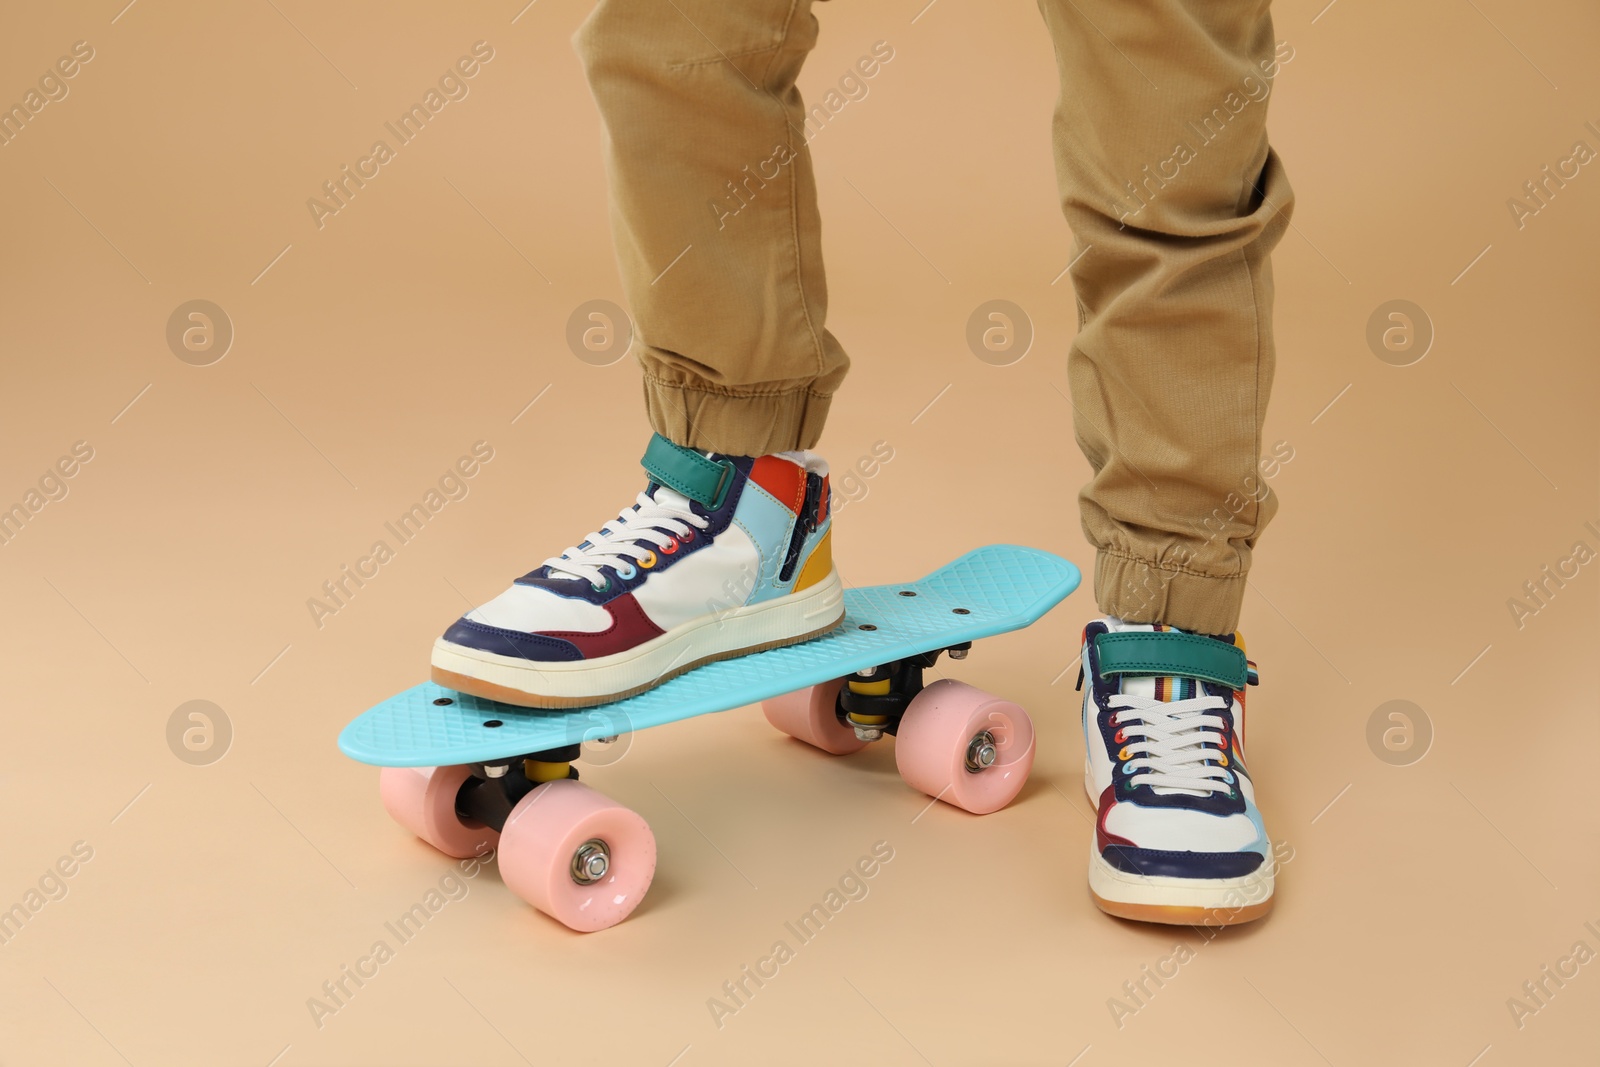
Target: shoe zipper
point(804, 524)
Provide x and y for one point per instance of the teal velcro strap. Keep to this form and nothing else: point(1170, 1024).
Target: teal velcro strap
point(1170, 652)
point(705, 481)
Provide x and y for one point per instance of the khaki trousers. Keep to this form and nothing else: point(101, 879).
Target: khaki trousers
point(1167, 182)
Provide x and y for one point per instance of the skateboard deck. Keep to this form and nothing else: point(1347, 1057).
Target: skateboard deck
point(991, 590)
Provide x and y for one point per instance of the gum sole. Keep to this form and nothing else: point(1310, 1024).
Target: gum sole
point(462, 683)
point(1182, 915)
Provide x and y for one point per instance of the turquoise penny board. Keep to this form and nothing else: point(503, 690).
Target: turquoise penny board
point(987, 591)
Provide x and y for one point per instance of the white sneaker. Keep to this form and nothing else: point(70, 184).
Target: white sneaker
point(1178, 838)
point(719, 556)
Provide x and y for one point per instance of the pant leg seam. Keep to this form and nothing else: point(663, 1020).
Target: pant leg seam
point(1255, 328)
point(794, 216)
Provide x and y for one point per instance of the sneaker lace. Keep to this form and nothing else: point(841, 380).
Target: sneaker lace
point(1176, 745)
point(658, 522)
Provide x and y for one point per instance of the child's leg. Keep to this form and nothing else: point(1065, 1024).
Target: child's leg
point(714, 213)
point(1176, 200)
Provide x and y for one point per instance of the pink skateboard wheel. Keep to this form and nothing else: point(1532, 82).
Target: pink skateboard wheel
point(423, 800)
point(808, 715)
point(964, 746)
point(576, 855)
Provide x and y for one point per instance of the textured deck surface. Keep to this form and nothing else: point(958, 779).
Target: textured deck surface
point(1000, 587)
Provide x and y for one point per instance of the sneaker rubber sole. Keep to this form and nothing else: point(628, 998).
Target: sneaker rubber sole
point(1179, 901)
point(774, 623)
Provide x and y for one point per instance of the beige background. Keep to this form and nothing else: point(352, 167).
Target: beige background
point(427, 314)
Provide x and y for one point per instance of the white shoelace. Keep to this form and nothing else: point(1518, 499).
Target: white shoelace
point(1170, 742)
point(658, 522)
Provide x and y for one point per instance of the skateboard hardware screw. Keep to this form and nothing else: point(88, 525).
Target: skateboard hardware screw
point(867, 672)
point(495, 770)
point(443, 702)
point(908, 592)
point(981, 752)
point(591, 862)
point(611, 740)
point(866, 626)
point(867, 733)
point(492, 723)
point(957, 653)
point(960, 611)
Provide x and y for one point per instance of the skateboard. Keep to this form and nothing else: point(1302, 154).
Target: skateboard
point(472, 776)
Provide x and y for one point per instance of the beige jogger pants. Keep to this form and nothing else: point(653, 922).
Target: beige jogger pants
point(1167, 181)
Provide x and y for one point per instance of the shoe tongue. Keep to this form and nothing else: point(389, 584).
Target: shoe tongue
point(1164, 687)
point(671, 498)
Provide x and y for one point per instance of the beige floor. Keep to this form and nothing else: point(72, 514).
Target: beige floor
point(428, 313)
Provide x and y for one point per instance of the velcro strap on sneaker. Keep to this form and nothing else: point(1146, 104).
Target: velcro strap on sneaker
point(705, 481)
point(1169, 652)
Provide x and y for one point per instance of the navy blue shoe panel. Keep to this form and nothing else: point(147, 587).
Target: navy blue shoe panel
point(1158, 863)
point(512, 643)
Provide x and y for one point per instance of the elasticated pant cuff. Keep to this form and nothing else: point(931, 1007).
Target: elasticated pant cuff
point(735, 425)
point(1137, 590)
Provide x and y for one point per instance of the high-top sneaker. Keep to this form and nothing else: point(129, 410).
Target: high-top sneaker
point(719, 556)
point(1178, 838)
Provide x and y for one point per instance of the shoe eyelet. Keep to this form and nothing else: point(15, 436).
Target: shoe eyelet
point(1120, 736)
point(1222, 758)
point(1122, 754)
point(628, 575)
point(648, 561)
point(603, 587)
point(687, 537)
point(669, 548)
